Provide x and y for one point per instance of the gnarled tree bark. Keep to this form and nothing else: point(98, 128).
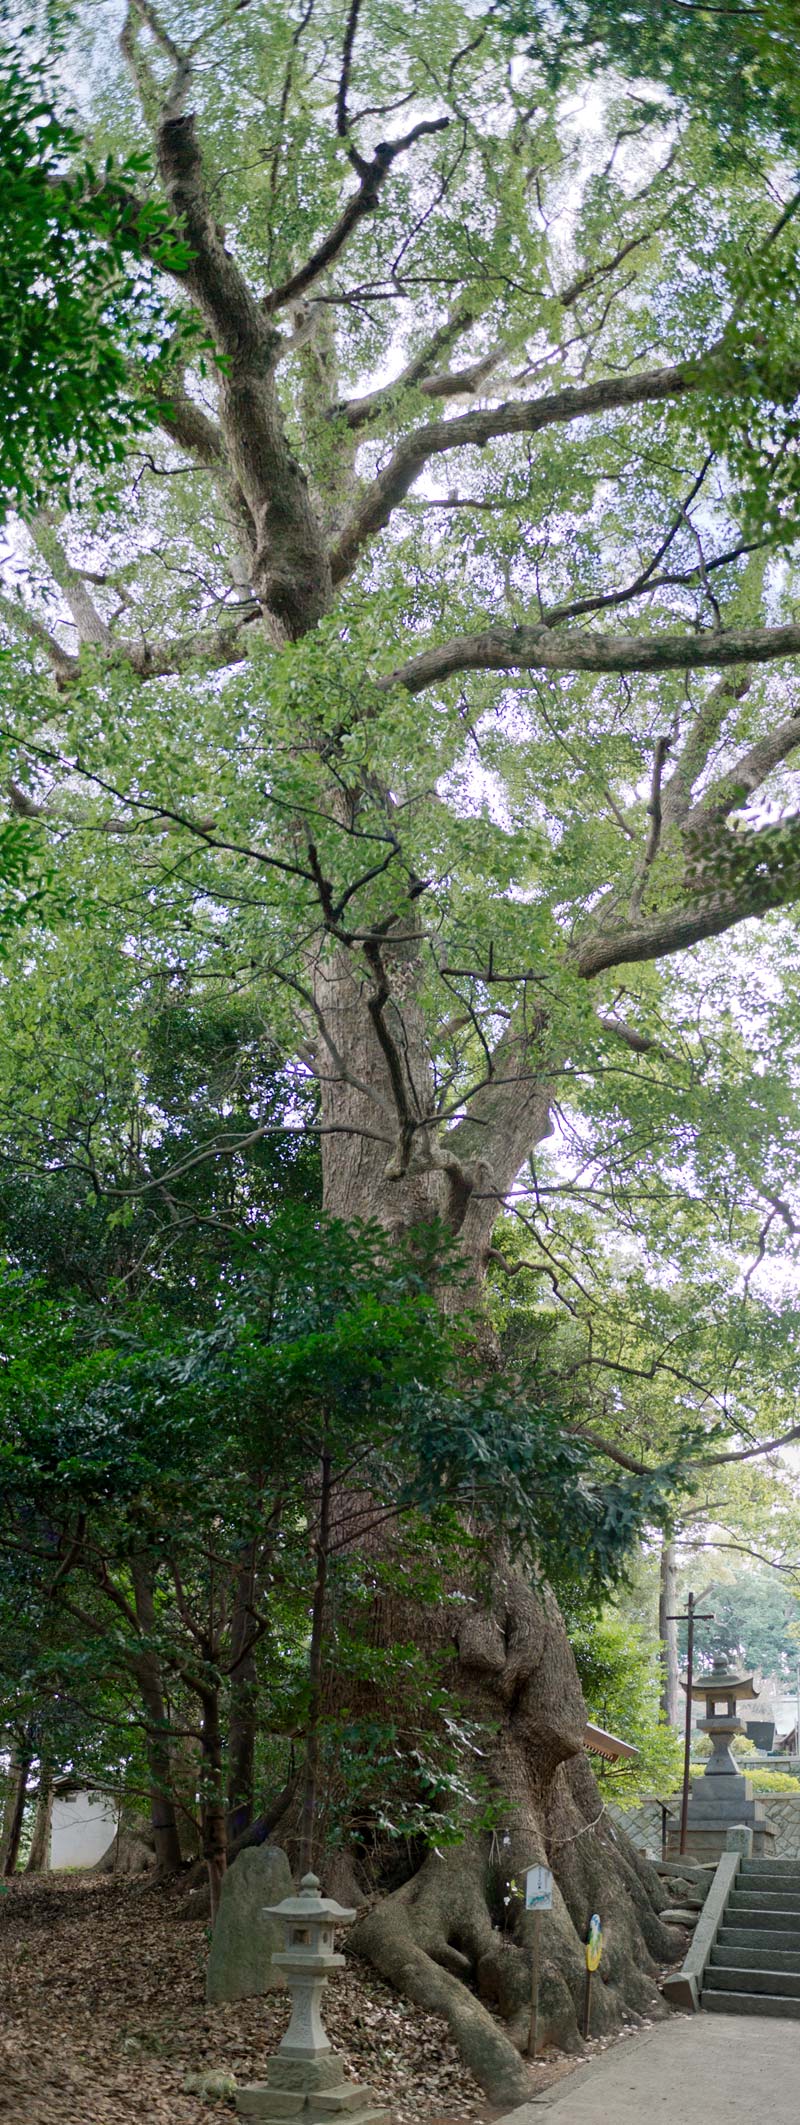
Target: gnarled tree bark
point(456, 1936)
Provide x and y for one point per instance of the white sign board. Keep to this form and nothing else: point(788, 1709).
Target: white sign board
point(538, 1889)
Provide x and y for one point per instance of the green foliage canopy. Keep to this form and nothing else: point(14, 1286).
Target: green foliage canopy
point(82, 322)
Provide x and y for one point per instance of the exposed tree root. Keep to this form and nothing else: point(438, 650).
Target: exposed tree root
point(426, 1940)
point(457, 1938)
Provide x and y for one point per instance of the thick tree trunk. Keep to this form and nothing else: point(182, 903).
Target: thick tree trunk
point(163, 1817)
point(39, 1855)
point(362, 1174)
point(18, 1793)
point(212, 1798)
point(448, 1938)
point(668, 1634)
point(242, 1721)
point(456, 1937)
point(308, 1811)
point(163, 1820)
point(9, 1800)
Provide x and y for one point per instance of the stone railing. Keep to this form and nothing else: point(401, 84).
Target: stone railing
point(782, 1810)
point(643, 1822)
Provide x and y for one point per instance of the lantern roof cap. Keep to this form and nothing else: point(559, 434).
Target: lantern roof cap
point(721, 1681)
point(309, 1904)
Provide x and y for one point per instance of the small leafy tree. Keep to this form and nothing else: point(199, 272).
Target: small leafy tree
point(179, 1474)
point(619, 1670)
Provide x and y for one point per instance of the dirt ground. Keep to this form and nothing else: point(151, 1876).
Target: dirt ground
point(103, 2016)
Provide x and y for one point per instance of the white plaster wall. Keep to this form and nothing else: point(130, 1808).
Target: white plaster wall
point(83, 1827)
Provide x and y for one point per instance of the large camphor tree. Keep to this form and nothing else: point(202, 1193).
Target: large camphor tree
point(425, 676)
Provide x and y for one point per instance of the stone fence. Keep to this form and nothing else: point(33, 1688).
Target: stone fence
point(782, 1810)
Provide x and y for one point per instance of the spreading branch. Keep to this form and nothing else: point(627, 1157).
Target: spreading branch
point(543, 649)
point(748, 774)
point(637, 1465)
point(770, 878)
point(607, 394)
point(702, 734)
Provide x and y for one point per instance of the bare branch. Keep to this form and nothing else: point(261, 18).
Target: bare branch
point(734, 788)
point(364, 201)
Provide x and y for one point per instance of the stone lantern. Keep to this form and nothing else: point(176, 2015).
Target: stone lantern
point(305, 2078)
point(722, 1798)
point(721, 1688)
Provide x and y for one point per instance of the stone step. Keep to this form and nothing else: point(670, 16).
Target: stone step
point(768, 1894)
point(773, 1866)
point(764, 1899)
point(774, 1870)
point(784, 1982)
point(765, 1938)
point(264, 2104)
point(760, 1885)
point(762, 1914)
point(749, 2003)
point(741, 1958)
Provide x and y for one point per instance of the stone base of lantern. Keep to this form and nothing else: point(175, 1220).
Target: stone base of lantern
point(716, 1805)
point(313, 2091)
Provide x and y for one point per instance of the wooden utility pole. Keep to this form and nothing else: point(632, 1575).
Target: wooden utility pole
point(668, 1635)
point(691, 1617)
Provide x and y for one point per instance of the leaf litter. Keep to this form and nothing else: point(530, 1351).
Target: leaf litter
point(104, 2017)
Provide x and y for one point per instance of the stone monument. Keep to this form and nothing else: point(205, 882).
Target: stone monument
point(722, 1797)
point(305, 2079)
point(244, 1940)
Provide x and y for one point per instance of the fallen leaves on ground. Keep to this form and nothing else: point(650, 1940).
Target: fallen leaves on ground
point(104, 2015)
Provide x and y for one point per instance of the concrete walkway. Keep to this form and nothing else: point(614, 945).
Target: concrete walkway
point(700, 2069)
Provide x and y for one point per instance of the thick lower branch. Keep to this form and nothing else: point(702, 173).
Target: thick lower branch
point(544, 649)
point(290, 570)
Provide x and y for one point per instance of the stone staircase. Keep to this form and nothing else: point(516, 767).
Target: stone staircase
point(754, 1964)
